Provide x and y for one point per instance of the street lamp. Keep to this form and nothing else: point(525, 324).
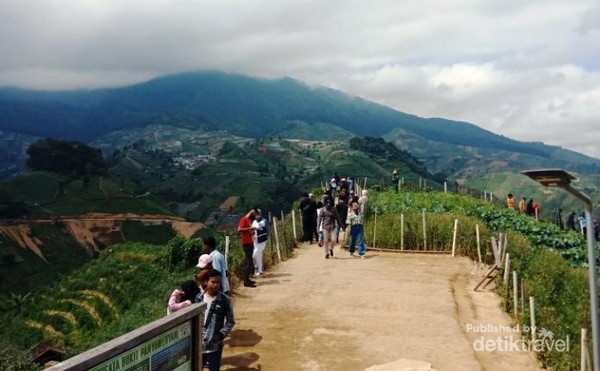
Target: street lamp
point(562, 179)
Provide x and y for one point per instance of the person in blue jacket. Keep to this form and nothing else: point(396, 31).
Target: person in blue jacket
point(218, 320)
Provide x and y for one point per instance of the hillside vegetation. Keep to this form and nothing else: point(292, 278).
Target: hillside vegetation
point(552, 264)
point(258, 108)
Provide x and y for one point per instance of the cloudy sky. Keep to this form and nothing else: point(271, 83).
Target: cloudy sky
point(526, 69)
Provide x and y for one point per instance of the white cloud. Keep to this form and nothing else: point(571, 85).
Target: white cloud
point(525, 69)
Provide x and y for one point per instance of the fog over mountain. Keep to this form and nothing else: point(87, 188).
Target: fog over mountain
point(526, 70)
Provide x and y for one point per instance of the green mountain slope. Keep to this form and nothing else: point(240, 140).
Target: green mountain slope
point(241, 105)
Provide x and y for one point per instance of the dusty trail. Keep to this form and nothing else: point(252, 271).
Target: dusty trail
point(387, 312)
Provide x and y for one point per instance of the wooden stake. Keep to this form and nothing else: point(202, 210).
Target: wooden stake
point(506, 268)
point(454, 237)
point(402, 232)
point(294, 225)
point(583, 348)
point(478, 242)
point(522, 299)
point(276, 239)
point(515, 295)
point(532, 317)
point(375, 228)
point(424, 231)
point(226, 248)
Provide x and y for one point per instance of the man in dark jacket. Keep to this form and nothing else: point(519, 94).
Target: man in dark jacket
point(308, 210)
point(342, 209)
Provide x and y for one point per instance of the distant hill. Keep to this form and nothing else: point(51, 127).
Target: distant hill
point(256, 108)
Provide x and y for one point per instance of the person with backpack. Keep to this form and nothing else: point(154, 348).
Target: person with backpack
point(261, 234)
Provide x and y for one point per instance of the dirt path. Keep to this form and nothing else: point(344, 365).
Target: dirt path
point(387, 312)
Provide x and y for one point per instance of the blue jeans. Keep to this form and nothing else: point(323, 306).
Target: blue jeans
point(213, 360)
point(357, 238)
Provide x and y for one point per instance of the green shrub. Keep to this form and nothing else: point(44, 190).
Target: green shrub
point(549, 261)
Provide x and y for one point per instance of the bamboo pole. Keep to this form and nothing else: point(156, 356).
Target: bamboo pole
point(583, 348)
point(522, 298)
point(424, 231)
point(375, 229)
point(506, 268)
point(402, 232)
point(532, 317)
point(454, 237)
point(478, 242)
point(226, 248)
point(500, 248)
point(276, 239)
point(294, 225)
point(515, 294)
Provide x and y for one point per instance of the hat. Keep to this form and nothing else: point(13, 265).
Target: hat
point(203, 261)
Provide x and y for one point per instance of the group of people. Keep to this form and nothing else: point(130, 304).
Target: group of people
point(338, 208)
point(254, 230)
point(210, 286)
point(324, 220)
point(531, 208)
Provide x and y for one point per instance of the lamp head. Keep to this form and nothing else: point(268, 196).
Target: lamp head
point(550, 177)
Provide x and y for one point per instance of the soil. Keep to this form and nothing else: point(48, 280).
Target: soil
point(89, 228)
point(389, 311)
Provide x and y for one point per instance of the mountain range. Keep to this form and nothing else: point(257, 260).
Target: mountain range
point(212, 101)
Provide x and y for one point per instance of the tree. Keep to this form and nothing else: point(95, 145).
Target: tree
point(65, 157)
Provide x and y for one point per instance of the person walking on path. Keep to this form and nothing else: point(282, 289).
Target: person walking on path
point(327, 220)
point(218, 262)
point(246, 231)
point(523, 205)
point(260, 241)
point(308, 210)
point(342, 209)
point(355, 221)
point(218, 321)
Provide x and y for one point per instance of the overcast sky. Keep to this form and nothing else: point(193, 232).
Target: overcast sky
point(526, 69)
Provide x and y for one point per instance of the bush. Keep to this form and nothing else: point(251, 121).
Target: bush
point(549, 261)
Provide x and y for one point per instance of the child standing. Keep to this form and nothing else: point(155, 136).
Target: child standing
point(218, 320)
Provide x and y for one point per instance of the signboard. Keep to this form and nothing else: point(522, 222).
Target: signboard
point(171, 343)
point(170, 351)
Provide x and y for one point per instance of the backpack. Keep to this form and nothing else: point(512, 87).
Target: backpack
point(263, 233)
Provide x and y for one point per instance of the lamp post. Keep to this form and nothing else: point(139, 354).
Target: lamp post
point(562, 179)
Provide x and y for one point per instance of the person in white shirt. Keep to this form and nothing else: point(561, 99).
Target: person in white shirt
point(260, 241)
